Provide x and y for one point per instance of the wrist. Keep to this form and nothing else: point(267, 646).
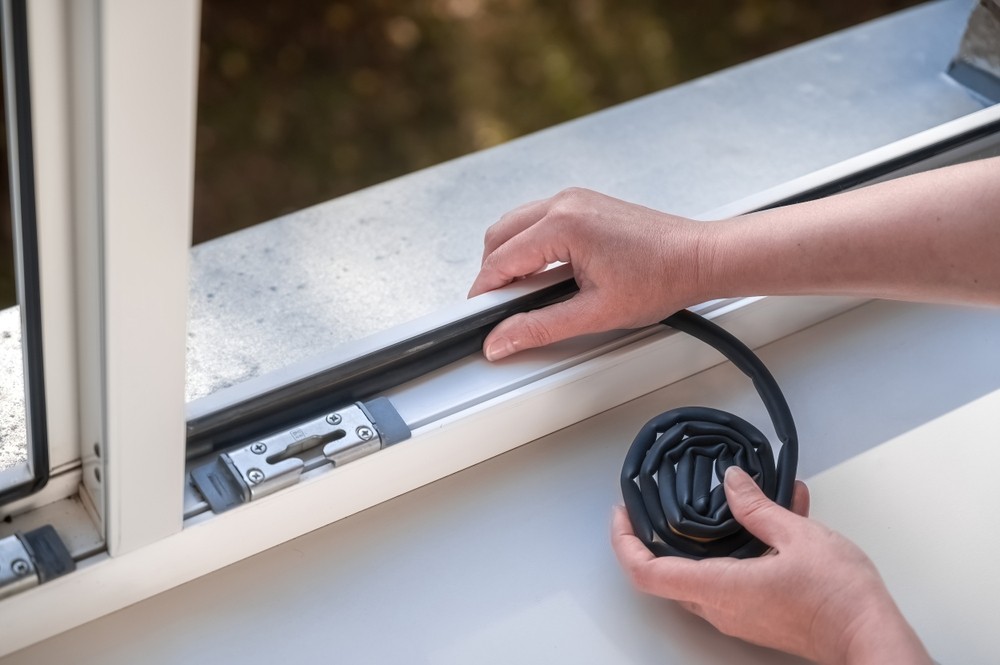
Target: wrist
point(879, 634)
point(723, 261)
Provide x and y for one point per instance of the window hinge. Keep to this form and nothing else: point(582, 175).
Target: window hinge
point(277, 461)
point(32, 558)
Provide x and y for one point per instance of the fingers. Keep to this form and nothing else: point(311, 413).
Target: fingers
point(762, 517)
point(800, 499)
point(496, 273)
point(524, 254)
point(512, 223)
point(527, 330)
point(510, 250)
point(628, 548)
point(670, 577)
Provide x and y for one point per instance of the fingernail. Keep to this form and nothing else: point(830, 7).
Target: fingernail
point(498, 348)
point(736, 478)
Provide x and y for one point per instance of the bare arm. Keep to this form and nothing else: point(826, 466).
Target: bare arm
point(930, 237)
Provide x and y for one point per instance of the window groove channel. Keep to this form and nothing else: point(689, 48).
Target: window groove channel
point(360, 377)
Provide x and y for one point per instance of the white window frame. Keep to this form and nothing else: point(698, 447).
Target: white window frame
point(115, 285)
point(113, 85)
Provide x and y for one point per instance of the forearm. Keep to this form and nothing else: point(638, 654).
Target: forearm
point(932, 237)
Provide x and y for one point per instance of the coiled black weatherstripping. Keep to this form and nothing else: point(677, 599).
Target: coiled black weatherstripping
point(667, 476)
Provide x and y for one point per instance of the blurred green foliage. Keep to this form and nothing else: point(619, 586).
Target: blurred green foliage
point(300, 102)
point(303, 101)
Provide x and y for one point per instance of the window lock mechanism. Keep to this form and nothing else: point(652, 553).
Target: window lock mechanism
point(277, 461)
point(32, 558)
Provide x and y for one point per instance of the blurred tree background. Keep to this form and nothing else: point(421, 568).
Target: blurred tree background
point(300, 102)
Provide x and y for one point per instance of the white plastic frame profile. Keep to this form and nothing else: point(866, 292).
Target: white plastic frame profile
point(113, 86)
point(48, 56)
point(53, 250)
point(61, 143)
point(148, 63)
point(50, 121)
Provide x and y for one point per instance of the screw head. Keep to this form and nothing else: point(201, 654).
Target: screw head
point(259, 448)
point(365, 433)
point(20, 567)
point(334, 418)
point(255, 475)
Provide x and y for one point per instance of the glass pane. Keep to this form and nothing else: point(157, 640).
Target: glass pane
point(23, 448)
point(300, 103)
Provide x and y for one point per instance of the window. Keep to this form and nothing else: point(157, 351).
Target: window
point(114, 85)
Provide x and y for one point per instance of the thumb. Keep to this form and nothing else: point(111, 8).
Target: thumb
point(759, 515)
point(540, 327)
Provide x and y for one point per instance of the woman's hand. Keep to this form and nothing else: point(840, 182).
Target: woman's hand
point(927, 237)
point(635, 266)
point(816, 595)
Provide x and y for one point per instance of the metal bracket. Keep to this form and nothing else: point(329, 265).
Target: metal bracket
point(278, 461)
point(32, 558)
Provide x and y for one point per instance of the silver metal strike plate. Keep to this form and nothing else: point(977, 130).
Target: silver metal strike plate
point(270, 464)
point(277, 461)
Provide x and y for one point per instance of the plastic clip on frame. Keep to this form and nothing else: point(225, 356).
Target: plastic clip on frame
point(667, 476)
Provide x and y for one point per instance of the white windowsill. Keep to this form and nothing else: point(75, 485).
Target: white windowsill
point(510, 562)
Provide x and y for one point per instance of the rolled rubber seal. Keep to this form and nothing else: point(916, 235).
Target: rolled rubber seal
point(667, 475)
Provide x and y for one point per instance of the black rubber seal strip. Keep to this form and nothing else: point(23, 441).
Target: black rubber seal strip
point(19, 116)
point(666, 479)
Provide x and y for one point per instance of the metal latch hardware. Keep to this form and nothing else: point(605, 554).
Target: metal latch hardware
point(267, 465)
point(32, 558)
